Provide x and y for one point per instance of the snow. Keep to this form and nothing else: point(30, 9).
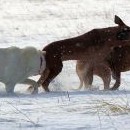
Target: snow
point(39, 22)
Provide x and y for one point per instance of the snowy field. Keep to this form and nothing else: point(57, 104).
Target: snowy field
point(39, 22)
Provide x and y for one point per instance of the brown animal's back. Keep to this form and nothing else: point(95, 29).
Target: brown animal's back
point(81, 47)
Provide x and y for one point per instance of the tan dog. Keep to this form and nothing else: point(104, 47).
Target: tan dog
point(118, 61)
point(86, 72)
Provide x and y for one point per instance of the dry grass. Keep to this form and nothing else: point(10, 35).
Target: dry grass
point(111, 108)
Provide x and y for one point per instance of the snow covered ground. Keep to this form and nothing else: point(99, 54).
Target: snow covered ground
point(39, 22)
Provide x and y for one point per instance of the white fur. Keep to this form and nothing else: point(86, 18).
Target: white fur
point(16, 65)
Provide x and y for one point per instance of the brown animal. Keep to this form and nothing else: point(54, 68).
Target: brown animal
point(118, 61)
point(84, 71)
point(93, 46)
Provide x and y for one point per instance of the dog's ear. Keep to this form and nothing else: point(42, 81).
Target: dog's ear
point(44, 53)
point(119, 21)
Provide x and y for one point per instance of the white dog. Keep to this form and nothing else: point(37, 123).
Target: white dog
point(16, 65)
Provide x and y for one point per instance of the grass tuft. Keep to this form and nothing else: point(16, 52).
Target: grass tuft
point(110, 108)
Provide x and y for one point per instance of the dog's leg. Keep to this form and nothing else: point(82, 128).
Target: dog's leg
point(52, 74)
point(80, 74)
point(88, 78)
point(118, 80)
point(9, 87)
point(106, 81)
point(81, 81)
point(34, 84)
point(104, 73)
point(81, 77)
point(44, 76)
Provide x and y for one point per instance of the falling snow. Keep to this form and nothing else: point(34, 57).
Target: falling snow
point(39, 22)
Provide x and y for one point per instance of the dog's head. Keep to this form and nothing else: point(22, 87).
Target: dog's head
point(124, 32)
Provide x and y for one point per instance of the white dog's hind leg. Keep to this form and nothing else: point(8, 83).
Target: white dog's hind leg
point(10, 88)
point(33, 83)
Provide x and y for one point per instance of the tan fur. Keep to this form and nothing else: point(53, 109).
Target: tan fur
point(86, 72)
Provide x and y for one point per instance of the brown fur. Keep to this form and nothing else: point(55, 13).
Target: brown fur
point(85, 73)
point(93, 46)
point(119, 61)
